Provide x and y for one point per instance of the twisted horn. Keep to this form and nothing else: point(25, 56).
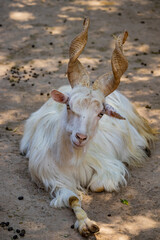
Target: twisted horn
point(107, 83)
point(76, 72)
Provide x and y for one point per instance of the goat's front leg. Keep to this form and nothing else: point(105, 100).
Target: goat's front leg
point(83, 223)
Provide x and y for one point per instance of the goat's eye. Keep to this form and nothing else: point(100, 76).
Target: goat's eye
point(68, 107)
point(100, 114)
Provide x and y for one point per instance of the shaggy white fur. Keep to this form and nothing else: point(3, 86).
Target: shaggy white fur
point(50, 143)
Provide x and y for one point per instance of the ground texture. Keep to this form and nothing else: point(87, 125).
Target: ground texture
point(34, 41)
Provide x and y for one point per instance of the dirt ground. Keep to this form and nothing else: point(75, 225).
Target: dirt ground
point(34, 42)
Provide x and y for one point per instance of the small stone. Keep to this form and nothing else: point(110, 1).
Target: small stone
point(20, 198)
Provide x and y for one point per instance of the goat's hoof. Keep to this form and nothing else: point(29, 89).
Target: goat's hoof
point(88, 228)
point(94, 228)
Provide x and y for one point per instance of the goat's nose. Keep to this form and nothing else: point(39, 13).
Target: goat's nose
point(81, 137)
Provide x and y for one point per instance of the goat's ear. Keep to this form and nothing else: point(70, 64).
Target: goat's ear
point(110, 111)
point(59, 97)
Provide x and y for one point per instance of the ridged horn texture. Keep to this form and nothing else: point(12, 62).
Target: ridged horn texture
point(76, 72)
point(107, 83)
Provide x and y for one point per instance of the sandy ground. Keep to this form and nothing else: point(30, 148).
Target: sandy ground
point(34, 41)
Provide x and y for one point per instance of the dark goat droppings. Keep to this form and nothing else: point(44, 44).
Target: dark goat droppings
point(33, 46)
point(148, 106)
point(15, 237)
point(142, 22)
point(109, 215)
point(51, 43)
point(2, 224)
point(41, 93)
point(18, 231)
point(10, 229)
point(20, 198)
point(1, 25)
point(72, 226)
point(7, 224)
point(22, 233)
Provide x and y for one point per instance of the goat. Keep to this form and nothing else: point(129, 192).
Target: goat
point(85, 136)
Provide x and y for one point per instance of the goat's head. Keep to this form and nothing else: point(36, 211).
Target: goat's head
point(85, 104)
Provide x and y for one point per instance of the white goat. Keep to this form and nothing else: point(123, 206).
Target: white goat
point(86, 141)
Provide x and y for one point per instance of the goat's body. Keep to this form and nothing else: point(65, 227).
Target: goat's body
point(100, 165)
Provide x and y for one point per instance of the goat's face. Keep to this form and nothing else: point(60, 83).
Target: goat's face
point(84, 108)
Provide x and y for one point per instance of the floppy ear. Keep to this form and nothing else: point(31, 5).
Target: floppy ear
point(110, 111)
point(59, 97)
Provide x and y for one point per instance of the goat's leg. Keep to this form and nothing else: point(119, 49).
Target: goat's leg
point(83, 223)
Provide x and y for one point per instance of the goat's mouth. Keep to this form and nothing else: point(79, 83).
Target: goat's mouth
point(77, 145)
